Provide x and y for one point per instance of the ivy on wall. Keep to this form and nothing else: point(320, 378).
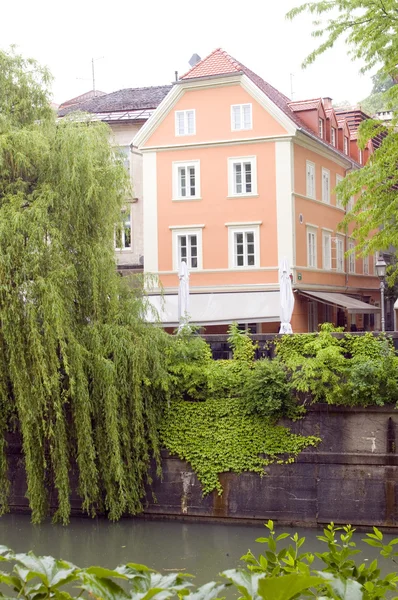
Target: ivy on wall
point(217, 436)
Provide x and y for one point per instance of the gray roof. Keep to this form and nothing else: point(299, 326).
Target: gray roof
point(122, 100)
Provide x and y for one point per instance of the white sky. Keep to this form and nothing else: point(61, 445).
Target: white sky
point(143, 42)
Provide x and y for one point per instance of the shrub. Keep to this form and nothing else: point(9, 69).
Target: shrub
point(267, 391)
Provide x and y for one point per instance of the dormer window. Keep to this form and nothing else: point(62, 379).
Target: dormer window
point(346, 145)
point(333, 136)
point(320, 128)
point(360, 157)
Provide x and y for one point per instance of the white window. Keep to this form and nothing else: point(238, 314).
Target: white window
point(346, 145)
point(310, 179)
point(339, 203)
point(327, 250)
point(244, 246)
point(242, 176)
point(350, 204)
point(123, 239)
point(366, 265)
point(340, 253)
point(311, 247)
point(241, 117)
point(333, 136)
point(185, 122)
point(187, 247)
point(360, 157)
point(326, 186)
point(186, 180)
point(320, 127)
point(312, 316)
point(351, 257)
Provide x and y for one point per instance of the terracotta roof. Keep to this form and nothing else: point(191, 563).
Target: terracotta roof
point(82, 98)
point(305, 104)
point(130, 99)
point(221, 63)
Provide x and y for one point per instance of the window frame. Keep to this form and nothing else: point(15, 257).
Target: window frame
point(176, 166)
point(310, 229)
point(351, 258)
point(326, 197)
point(126, 208)
point(333, 136)
point(339, 179)
point(346, 145)
point(340, 238)
point(360, 156)
point(180, 231)
point(186, 122)
point(326, 234)
point(240, 106)
point(312, 316)
point(365, 265)
point(321, 128)
point(232, 161)
point(232, 256)
point(309, 163)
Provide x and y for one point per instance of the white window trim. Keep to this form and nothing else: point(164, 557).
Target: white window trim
point(351, 258)
point(326, 233)
point(310, 229)
point(327, 199)
point(179, 231)
point(341, 238)
point(231, 187)
point(339, 179)
point(321, 127)
point(244, 228)
point(333, 136)
point(123, 248)
point(185, 111)
point(176, 165)
point(307, 190)
point(241, 116)
point(366, 265)
point(346, 145)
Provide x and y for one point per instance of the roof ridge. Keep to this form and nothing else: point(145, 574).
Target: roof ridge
point(230, 59)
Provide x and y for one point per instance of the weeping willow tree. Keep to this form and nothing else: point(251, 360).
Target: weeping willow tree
point(82, 377)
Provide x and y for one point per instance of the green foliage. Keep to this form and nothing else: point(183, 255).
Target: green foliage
point(267, 391)
point(349, 370)
point(82, 377)
point(189, 358)
point(218, 435)
point(342, 576)
point(243, 348)
point(283, 572)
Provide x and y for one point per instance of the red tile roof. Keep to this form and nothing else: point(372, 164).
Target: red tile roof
point(221, 63)
point(299, 105)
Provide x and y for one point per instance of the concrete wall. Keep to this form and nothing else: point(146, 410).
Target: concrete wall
point(351, 477)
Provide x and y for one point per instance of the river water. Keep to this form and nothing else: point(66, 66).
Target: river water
point(202, 549)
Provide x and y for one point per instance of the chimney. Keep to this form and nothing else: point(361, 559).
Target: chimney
point(195, 58)
point(327, 102)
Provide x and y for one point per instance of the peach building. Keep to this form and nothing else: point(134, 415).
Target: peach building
point(237, 177)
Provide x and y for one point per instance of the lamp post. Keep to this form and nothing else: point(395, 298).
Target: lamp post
point(381, 269)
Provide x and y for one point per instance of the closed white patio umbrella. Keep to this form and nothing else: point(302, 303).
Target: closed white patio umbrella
point(183, 295)
point(286, 297)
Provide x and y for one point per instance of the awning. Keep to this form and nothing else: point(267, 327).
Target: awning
point(219, 308)
point(352, 305)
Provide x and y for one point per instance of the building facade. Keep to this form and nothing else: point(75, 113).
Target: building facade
point(237, 177)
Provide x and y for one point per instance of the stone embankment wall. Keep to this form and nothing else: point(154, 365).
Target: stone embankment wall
point(351, 477)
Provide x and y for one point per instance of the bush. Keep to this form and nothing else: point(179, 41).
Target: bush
point(267, 391)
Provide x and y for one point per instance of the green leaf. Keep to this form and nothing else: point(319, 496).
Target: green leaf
point(208, 591)
point(101, 587)
point(101, 572)
point(345, 589)
point(287, 586)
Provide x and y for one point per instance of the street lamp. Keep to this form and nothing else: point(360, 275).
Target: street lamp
point(381, 270)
